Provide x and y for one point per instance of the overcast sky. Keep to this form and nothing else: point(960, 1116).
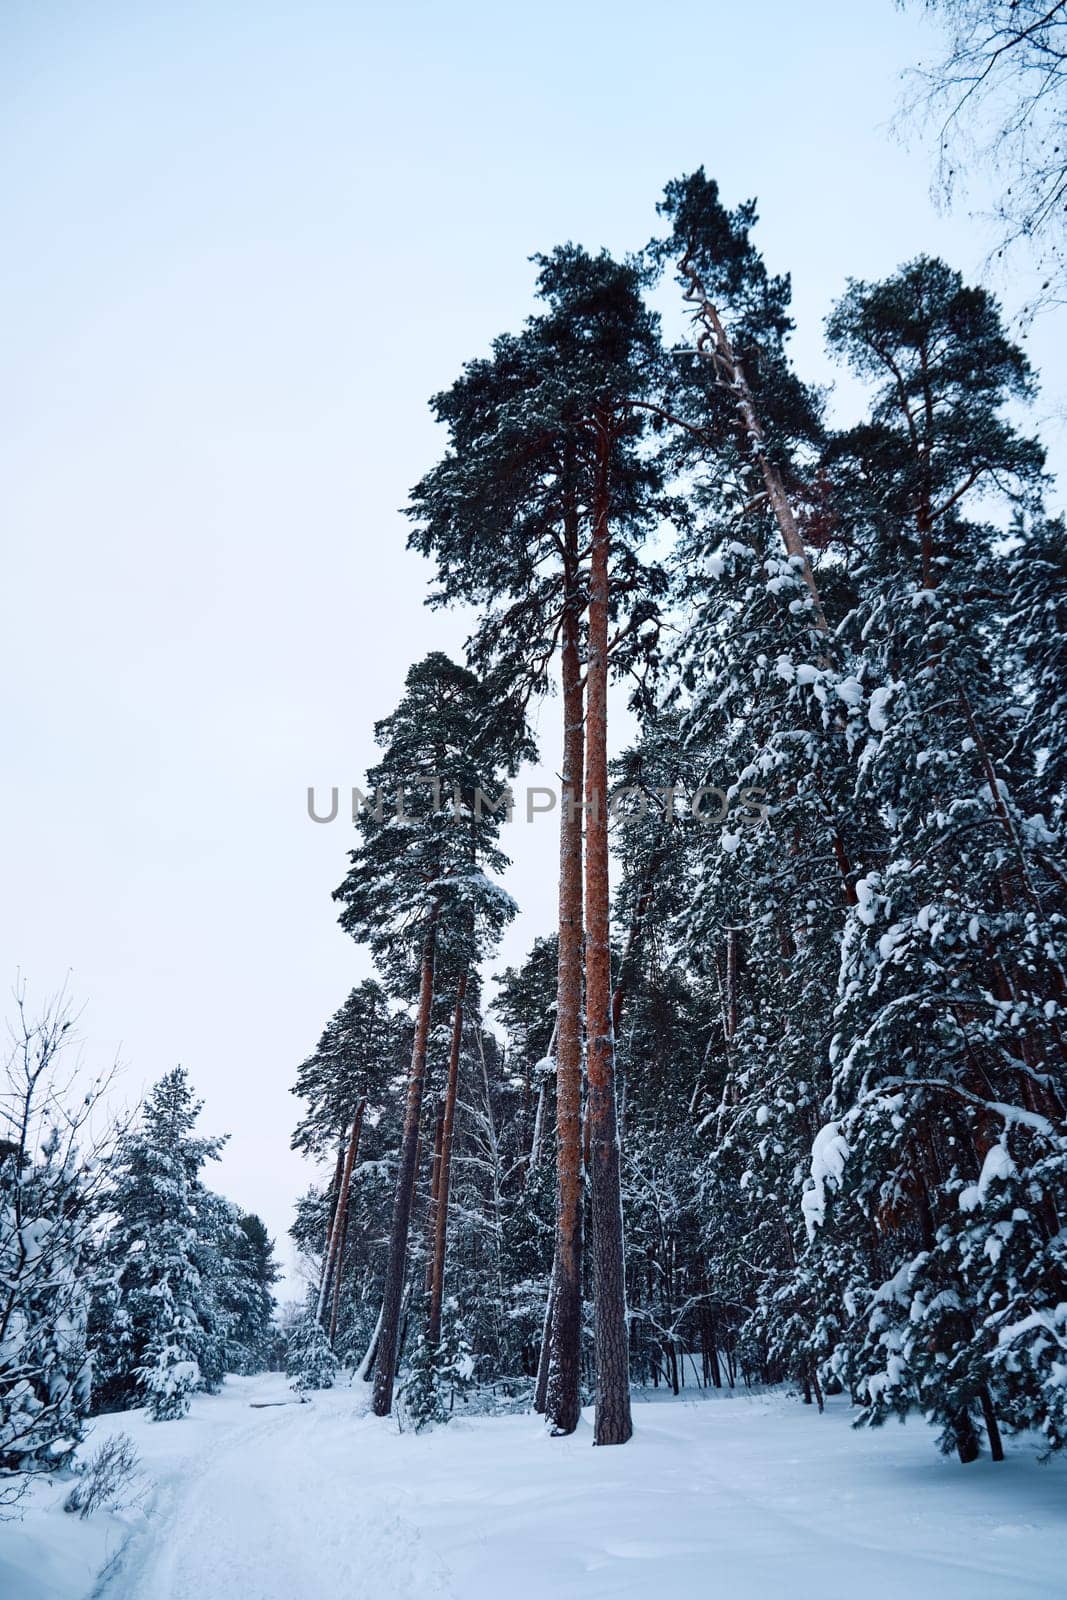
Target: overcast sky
point(244, 243)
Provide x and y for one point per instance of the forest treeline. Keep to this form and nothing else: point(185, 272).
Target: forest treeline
point(789, 1105)
point(124, 1279)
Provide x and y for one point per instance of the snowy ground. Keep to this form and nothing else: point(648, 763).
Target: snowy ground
point(737, 1497)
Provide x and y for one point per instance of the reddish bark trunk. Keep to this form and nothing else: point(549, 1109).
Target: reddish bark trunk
point(392, 1296)
point(444, 1173)
point(562, 1402)
point(613, 1420)
point(435, 1180)
point(333, 1194)
point(329, 1266)
point(342, 1215)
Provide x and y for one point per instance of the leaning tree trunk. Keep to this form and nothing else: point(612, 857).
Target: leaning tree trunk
point(635, 935)
point(435, 1179)
point(540, 1401)
point(384, 1371)
point(541, 1381)
point(333, 1195)
point(714, 342)
point(613, 1421)
point(537, 1137)
point(437, 1280)
point(366, 1367)
point(333, 1255)
point(533, 1155)
point(342, 1209)
point(563, 1391)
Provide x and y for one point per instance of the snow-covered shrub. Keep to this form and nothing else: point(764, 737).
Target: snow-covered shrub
point(170, 1381)
point(309, 1361)
point(420, 1399)
point(436, 1377)
point(102, 1480)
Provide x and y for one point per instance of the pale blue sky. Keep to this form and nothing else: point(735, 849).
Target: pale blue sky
point(243, 244)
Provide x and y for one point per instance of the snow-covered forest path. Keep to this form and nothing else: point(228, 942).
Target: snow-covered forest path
point(281, 1509)
point(745, 1496)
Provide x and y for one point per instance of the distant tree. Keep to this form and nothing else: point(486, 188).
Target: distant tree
point(418, 892)
point(158, 1331)
point(348, 1075)
point(249, 1272)
point(309, 1361)
point(355, 1058)
point(51, 1171)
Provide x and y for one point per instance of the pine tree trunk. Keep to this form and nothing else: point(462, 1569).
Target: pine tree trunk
point(539, 1123)
point(339, 1209)
point(563, 1394)
point(634, 937)
point(405, 1316)
point(968, 1447)
point(435, 1180)
point(731, 986)
point(713, 1351)
point(398, 1236)
point(440, 1241)
point(613, 1420)
point(992, 1427)
point(333, 1195)
point(334, 1192)
point(365, 1370)
point(341, 1215)
point(714, 343)
point(541, 1381)
point(538, 1135)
